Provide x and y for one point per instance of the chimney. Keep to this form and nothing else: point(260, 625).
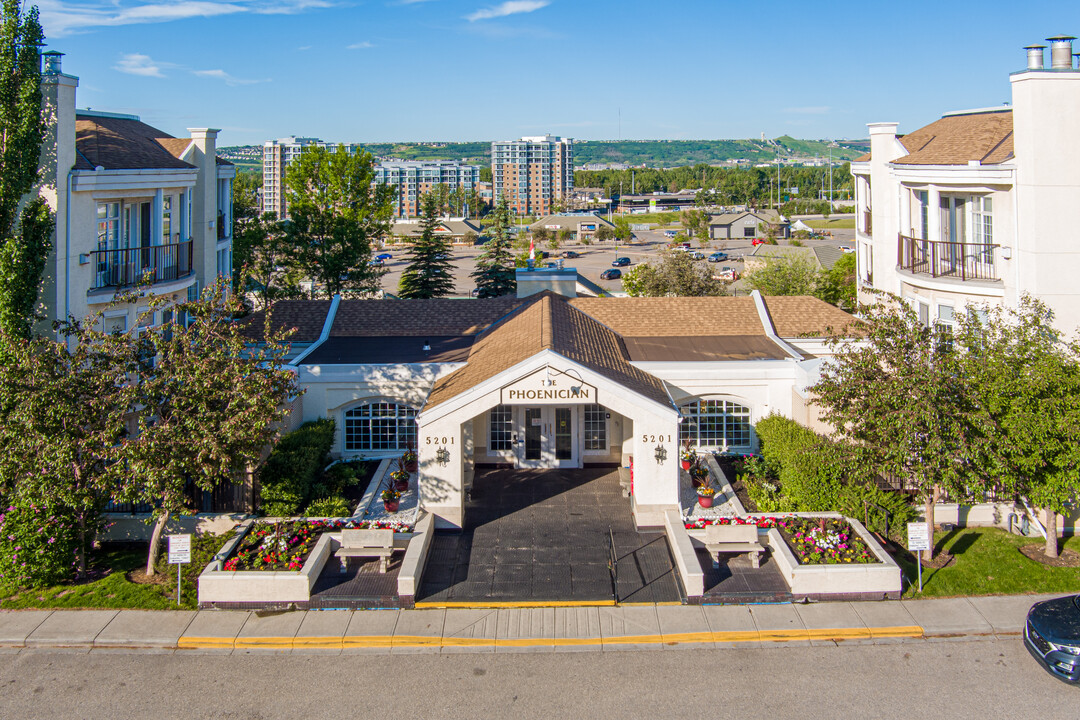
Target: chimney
point(1061, 52)
point(1035, 57)
point(51, 62)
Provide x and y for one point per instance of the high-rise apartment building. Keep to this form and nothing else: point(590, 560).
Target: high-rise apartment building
point(414, 178)
point(532, 172)
point(277, 155)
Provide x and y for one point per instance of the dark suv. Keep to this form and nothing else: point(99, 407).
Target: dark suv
point(1052, 636)
point(620, 262)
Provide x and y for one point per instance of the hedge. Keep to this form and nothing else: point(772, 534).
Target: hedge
point(294, 467)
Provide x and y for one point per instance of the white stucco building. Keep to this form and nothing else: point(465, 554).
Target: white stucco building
point(977, 206)
point(554, 381)
point(131, 203)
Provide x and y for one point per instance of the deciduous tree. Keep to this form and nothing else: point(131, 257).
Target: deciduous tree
point(792, 275)
point(674, 274)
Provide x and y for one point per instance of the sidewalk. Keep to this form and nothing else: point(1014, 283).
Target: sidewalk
point(648, 627)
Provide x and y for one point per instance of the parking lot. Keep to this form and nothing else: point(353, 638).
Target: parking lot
point(597, 257)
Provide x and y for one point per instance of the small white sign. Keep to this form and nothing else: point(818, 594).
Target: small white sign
point(179, 549)
point(918, 536)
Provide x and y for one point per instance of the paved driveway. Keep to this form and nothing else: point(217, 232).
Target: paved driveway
point(545, 535)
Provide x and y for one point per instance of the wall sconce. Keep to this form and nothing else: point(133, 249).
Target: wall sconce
point(660, 454)
point(442, 456)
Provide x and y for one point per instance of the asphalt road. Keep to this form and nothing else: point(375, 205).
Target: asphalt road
point(595, 258)
point(959, 679)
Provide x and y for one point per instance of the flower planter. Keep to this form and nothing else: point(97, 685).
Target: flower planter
point(391, 505)
point(411, 466)
point(705, 501)
point(401, 485)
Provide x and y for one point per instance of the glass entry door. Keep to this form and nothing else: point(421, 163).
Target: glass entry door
point(549, 437)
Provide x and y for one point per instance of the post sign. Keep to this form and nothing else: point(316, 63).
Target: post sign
point(179, 549)
point(918, 536)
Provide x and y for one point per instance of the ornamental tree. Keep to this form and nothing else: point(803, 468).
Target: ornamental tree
point(428, 274)
point(206, 404)
point(495, 272)
point(899, 396)
point(25, 226)
point(674, 275)
point(793, 275)
point(1027, 382)
point(337, 215)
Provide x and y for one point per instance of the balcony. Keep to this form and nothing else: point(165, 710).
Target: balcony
point(126, 268)
point(950, 260)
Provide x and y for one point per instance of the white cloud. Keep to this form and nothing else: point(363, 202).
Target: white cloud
point(302, 48)
point(226, 77)
point(136, 64)
point(365, 45)
point(64, 17)
point(511, 7)
point(809, 110)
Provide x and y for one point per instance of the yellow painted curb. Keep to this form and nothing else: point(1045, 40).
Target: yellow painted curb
point(839, 634)
point(318, 642)
point(495, 604)
point(268, 643)
point(416, 641)
point(898, 631)
point(205, 642)
point(782, 635)
point(690, 637)
point(634, 640)
point(371, 641)
point(735, 636)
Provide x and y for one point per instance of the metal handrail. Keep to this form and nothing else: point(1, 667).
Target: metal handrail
point(613, 565)
point(938, 258)
point(130, 266)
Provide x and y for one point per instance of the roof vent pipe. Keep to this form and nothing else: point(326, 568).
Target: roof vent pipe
point(1035, 57)
point(1061, 52)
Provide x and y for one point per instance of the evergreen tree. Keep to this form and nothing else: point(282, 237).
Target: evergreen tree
point(495, 269)
point(428, 274)
point(25, 227)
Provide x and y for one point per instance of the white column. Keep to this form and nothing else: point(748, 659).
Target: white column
point(905, 211)
point(933, 214)
point(441, 481)
point(157, 218)
point(656, 482)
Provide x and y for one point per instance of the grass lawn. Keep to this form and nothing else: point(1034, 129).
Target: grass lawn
point(662, 219)
point(987, 561)
point(114, 590)
point(845, 223)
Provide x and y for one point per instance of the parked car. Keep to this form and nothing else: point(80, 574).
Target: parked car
point(384, 256)
point(757, 241)
point(1052, 636)
point(847, 248)
point(670, 233)
point(571, 254)
point(620, 262)
point(717, 257)
point(697, 255)
point(728, 273)
point(376, 262)
point(475, 292)
point(612, 274)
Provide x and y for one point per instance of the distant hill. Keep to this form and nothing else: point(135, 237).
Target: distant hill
point(651, 153)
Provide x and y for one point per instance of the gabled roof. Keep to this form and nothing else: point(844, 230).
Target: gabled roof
point(116, 143)
point(727, 218)
point(449, 227)
point(804, 316)
point(437, 317)
point(571, 222)
point(959, 138)
point(824, 256)
point(548, 322)
point(674, 316)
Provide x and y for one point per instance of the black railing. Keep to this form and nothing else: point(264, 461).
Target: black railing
point(961, 261)
point(613, 565)
point(124, 268)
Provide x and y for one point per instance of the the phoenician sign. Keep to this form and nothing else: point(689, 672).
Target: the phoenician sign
point(549, 387)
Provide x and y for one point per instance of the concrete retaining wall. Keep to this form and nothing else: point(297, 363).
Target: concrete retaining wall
point(415, 560)
point(686, 559)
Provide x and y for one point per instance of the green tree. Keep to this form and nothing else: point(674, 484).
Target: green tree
point(561, 238)
point(673, 275)
point(541, 236)
point(263, 261)
point(1027, 381)
point(696, 223)
point(337, 215)
point(63, 405)
point(622, 229)
point(837, 284)
point(206, 406)
point(900, 398)
point(792, 275)
point(428, 274)
point(604, 233)
point(25, 225)
point(495, 273)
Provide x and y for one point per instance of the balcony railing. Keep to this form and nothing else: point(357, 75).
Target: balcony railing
point(124, 268)
point(960, 261)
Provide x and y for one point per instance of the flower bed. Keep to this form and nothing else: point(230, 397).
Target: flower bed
point(286, 545)
point(824, 541)
point(761, 522)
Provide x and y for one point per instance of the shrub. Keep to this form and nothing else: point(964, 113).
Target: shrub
point(38, 545)
point(204, 546)
point(294, 466)
point(329, 507)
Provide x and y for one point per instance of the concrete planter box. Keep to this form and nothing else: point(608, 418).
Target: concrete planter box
point(270, 587)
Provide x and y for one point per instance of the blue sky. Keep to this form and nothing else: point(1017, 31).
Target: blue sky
point(488, 69)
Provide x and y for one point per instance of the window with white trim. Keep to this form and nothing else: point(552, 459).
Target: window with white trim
point(379, 426)
point(501, 428)
point(595, 427)
point(715, 424)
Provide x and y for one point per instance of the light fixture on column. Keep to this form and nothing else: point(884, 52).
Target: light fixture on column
point(660, 454)
point(442, 456)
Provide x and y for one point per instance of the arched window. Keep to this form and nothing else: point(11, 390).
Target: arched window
point(380, 426)
point(720, 424)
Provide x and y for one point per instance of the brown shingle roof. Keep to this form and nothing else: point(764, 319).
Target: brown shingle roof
point(307, 316)
point(957, 139)
point(862, 158)
point(123, 144)
point(795, 316)
point(674, 317)
point(548, 321)
point(436, 317)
